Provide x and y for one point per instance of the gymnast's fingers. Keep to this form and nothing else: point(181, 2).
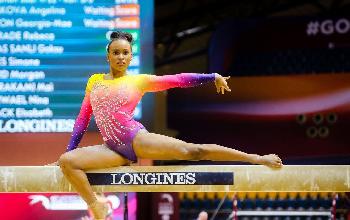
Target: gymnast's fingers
point(276, 164)
point(279, 162)
point(52, 164)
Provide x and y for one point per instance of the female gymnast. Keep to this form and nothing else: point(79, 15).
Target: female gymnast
point(112, 98)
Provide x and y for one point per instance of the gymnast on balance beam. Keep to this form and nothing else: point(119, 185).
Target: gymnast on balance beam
point(112, 98)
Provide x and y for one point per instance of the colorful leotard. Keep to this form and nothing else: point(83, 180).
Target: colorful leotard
point(113, 103)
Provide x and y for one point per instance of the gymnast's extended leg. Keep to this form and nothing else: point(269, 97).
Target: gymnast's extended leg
point(161, 147)
point(74, 164)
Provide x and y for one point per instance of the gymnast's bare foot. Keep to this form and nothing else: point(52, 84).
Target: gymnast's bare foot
point(270, 160)
point(99, 209)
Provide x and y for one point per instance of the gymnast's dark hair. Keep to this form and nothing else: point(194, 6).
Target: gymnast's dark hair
point(117, 35)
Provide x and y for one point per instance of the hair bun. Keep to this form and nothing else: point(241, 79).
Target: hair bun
point(115, 35)
point(121, 35)
point(128, 37)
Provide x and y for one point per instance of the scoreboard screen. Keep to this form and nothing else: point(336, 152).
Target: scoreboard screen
point(48, 50)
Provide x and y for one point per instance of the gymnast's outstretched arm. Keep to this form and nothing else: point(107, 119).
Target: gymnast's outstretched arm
point(152, 83)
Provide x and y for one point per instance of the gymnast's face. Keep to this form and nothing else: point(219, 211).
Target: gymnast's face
point(119, 55)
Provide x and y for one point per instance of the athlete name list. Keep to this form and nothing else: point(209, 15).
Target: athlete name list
point(48, 48)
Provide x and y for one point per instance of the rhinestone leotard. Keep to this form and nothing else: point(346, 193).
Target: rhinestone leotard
point(113, 103)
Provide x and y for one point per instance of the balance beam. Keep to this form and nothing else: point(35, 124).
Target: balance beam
point(214, 178)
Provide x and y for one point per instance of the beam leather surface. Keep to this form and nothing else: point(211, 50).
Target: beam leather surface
point(327, 178)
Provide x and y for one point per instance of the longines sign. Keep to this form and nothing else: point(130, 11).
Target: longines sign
point(162, 178)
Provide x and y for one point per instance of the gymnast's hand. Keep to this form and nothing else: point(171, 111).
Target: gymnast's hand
point(221, 84)
point(270, 160)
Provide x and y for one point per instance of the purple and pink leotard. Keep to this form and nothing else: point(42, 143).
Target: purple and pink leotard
point(113, 103)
